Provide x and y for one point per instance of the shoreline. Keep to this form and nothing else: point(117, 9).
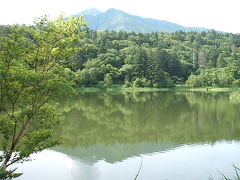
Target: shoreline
point(146, 89)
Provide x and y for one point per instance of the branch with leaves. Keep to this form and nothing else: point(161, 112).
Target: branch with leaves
point(31, 76)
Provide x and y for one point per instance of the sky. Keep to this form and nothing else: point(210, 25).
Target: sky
point(223, 15)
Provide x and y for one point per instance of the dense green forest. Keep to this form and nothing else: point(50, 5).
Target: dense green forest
point(158, 59)
point(110, 58)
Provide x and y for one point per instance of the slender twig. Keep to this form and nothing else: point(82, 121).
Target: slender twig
point(139, 169)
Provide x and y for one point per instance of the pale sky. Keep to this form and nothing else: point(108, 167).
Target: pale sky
point(223, 15)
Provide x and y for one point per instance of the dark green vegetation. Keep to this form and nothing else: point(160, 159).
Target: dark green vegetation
point(31, 75)
point(109, 58)
point(117, 20)
point(158, 59)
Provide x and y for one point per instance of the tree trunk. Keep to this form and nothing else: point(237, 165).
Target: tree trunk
point(4, 164)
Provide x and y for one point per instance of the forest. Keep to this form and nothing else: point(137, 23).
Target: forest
point(157, 59)
point(110, 58)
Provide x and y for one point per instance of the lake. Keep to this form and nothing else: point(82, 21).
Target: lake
point(174, 135)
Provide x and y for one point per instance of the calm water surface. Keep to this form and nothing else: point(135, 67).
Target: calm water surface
point(176, 136)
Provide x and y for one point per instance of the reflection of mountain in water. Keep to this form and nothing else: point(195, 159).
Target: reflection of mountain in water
point(117, 126)
point(113, 153)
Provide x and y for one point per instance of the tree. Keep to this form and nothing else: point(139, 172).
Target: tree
point(108, 81)
point(30, 77)
point(219, 61)
point(194, 59)
point(202, 59)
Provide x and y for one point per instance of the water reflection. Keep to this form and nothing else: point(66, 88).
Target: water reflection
point(113, 153)
point(123, 123)
point(198, 162)
point(179, 135)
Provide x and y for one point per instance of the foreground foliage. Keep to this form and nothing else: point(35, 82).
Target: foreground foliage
point(31, 75)
point(236, 177)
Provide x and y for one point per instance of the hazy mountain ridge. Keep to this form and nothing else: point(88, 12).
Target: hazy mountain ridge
point(118, 20)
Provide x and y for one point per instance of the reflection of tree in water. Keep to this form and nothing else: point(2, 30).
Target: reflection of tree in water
point(166, 117)
point(215, 115)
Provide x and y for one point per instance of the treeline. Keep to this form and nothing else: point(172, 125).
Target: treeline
point(158, 59)
point(155, 59)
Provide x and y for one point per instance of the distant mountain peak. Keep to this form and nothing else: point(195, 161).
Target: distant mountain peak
point(118, 20)
point(114, 10)
point(90, 12)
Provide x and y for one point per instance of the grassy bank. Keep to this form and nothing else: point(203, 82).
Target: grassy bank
point(206, 89)
point(146, 89)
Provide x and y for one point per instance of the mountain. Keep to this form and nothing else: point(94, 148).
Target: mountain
point(117, 20)
point(90, 12)
point(115, 152)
